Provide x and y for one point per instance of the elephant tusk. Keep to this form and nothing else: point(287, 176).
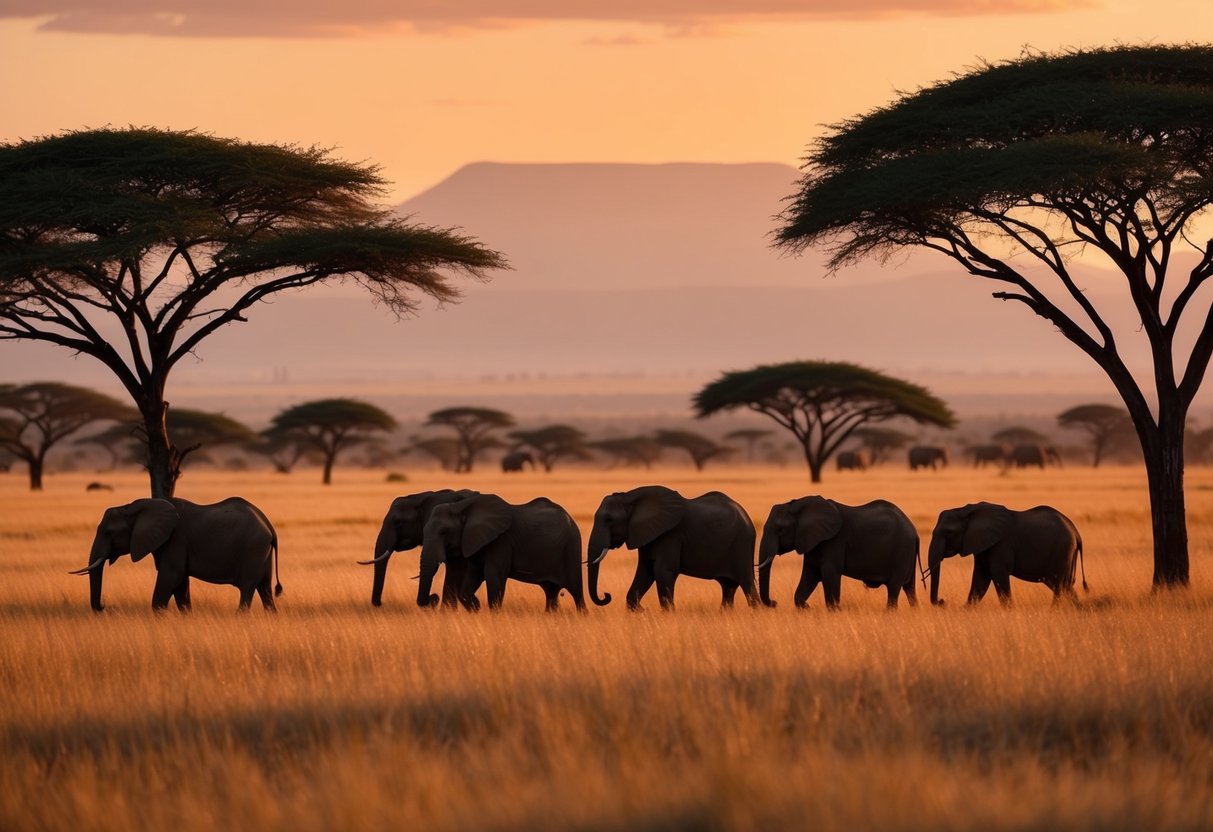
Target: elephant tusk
point(764, 564)
point(387, 553)
point(416, 577)
point(602, 554)
point(88, 568)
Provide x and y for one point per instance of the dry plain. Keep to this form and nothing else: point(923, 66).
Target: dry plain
point(336, 715)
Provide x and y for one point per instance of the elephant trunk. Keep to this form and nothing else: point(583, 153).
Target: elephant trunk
point(433, 552)
point(385, 543)
point(96, 567)
point(595, 551)
point(934, 563)
point(766, 556)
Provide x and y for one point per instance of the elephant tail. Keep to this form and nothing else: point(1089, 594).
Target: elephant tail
point(922, 573)
point(1083, 566)
point(277, 577)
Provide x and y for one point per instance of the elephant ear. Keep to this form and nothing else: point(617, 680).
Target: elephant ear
point(818, 521)
point(484, 520)
point(655, 510)
point(155, 520)
point(987, 524)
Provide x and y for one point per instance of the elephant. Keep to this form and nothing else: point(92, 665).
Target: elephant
point(709, 537)
point(401, 530)
point(990, 454)
point(535, 543)
point(1028, 455)
point(1040, 544)
point(853, 460)
point(514, 460)
point(928, 456)
point(875, 543)
point(229, 542)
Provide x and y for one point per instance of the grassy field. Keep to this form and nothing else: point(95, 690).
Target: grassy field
point(336, 715)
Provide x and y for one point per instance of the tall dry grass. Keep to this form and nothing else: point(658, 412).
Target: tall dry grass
point(335, 715)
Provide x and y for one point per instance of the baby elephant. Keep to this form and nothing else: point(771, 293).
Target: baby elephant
point(536, 543)
point(1040, 545)
point(229, 542)
point(875, 543)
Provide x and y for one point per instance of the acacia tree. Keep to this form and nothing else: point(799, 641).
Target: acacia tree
point(880, 442)
point(1106, 425)
point(283, 448)
point(443, 449)
point(700, 448)
point(36, 417)
point(821, 402)
point(750, 437)
point(630, 450)
point(1031, 161)
point(553, 443)
point(474, 427)
point(332, 426)
point(134, 246)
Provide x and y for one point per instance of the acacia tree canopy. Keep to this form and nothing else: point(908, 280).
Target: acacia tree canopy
point(1024, 164)
point(132, 246)
point(474, 427)
point(554, 442)
point(331, 426)
point(1106, 425)
point(822, 402)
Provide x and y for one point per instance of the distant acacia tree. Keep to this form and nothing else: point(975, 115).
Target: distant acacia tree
point(332, 426)
point(749, 436)
point(284, 448)
point(474, 427)
point(1018, 435)
point(1106, 151)
point(630, 450)
point(133, 246)
point(821, 403)
point(36, 417)
point(1106, 425)
point(699, 448)
point(553, 443)
point(880, 442)
point(443, 449)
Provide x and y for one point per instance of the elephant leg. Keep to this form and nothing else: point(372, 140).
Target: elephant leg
point(666, 574)
point(494, 581)
point(1002, 585)
point(809, 578)
point(980, 583)
point(831, 585)
point(728, 589)
point(552, 597)
point(182, 595)
point(911, 591)
point(894, 591)
point(640, 583)
point(265, 591)
point(167, 582)
point(246, 597)
point(452, 583)
point(473, 577)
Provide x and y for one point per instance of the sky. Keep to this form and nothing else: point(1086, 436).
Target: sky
point(422, 87)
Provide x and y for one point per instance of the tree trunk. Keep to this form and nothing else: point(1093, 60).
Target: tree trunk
point(1164, 458)
point(35, 472)
point(163, 467)
point(330, 456)
point(814, 466)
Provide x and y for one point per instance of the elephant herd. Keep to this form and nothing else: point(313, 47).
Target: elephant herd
point(482, 539)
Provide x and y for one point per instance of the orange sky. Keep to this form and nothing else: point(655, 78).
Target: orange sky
point(508, 80)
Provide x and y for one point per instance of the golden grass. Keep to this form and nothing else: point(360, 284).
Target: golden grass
point(335, 715)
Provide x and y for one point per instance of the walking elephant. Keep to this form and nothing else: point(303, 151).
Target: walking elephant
point(401, 530)
point(708, 537)
point(853, 460)
point(1040, 544)
point(875, 543)
point(515, 460)
point(928, 456)
point(1029, 455)
point(984, 455)
point(535, 543)
point(229, 542)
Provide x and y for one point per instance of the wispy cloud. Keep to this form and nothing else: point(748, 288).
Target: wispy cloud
point(323, 18)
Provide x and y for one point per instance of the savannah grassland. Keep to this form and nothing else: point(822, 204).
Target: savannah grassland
point(336, 715)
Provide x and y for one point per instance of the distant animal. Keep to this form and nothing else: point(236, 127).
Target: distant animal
point(853, 460)
point(928, 456)
point(535, 543)
point(98, 486)
point(875, 543)
point(514, 461)
point(709, 537)
point(1029, 455)
point(1040, 544)
point(229, 542)
point(401, 530)
point(984, 455)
